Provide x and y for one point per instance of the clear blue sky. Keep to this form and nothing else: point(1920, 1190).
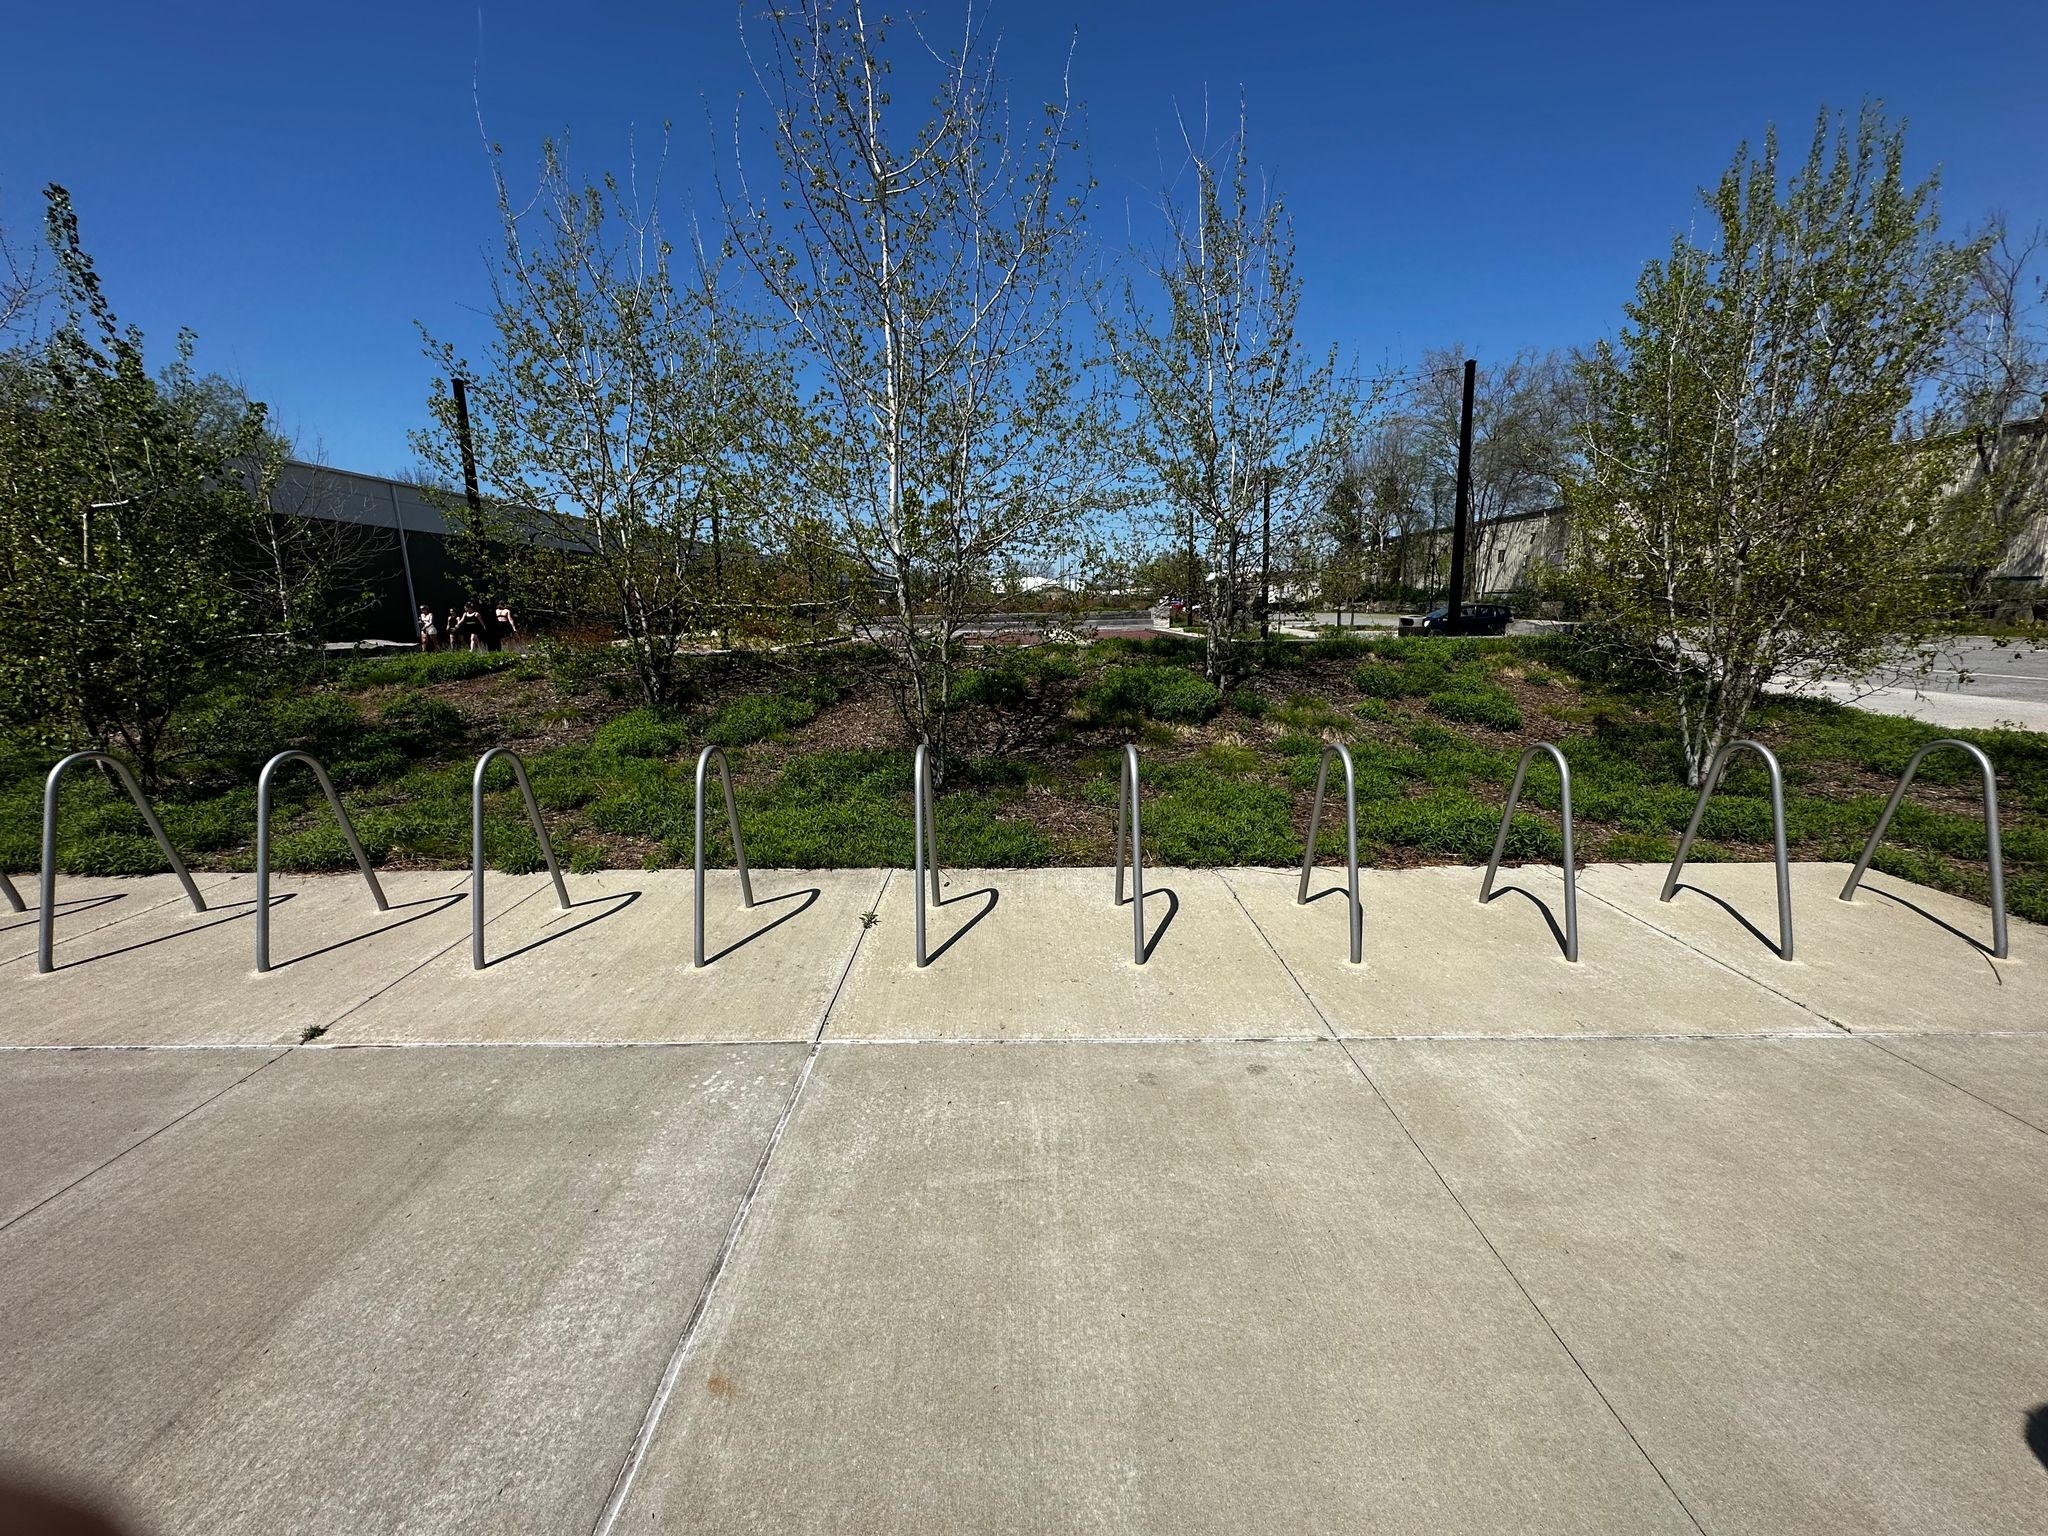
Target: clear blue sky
point(301, 184)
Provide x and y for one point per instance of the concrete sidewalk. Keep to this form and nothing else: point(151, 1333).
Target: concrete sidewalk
point(1464, 1239)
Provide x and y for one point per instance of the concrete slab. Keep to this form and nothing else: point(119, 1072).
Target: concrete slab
point(1439, 963)
point(85, 904)
point(1138, 1287)
point(1046, 954)
point(2010, 1071)
point(174, 977)
point(420, 1290)
point(65, 1113)
point(1806, 1275)
point(616, 966)
point(1900, 956)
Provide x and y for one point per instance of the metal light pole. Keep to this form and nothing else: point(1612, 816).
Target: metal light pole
point(1462, 518)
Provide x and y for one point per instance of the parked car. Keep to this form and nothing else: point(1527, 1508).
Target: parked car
point(1473, 619)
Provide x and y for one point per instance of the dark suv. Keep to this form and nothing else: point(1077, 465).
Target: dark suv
point(1473, 619)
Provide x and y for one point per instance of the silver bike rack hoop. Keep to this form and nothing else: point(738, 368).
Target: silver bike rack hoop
point(1315, 822)
point(2000, 946)
point(263, 793)
point(476, 846)
point(47, 915)
point(739, 849)
point(1127, 816)
point(924, 829)
point(1692, 827)
point(1571, 873)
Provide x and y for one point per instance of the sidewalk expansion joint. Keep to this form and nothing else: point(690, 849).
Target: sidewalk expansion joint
point(278, 1053)
point(650, 1422)
point(1508, 1270)
point(1273, 949)
point(859, 939)
point(1828, 1019)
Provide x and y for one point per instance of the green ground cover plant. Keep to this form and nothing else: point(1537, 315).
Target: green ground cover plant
point(822, 769)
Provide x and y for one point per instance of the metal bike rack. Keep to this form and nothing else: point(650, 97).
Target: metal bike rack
point(263, 845)
point(1571, 874)
point(1707, 788)
point(46, 917)
point(739, 850)
point(476, 846)
point(1999, 945)
point(12, 896)
point(1315, 822)
point(1127, 815)
point(924, 830)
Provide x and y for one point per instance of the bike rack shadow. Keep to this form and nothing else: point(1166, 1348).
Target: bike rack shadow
point(810, 895)
point(1564, 943)
point(961, 932)
point(623, 900)
point(433, 905)
point(348, 831)
point(2000, 946)
point(1733, 911)
point(29, 916)
point(739, 855)
point(924, 833)
point(1711, 782)
point(1166, 922)
point(46, 884)
point(476, 844)
point(218, 915)
point(1989, 952)
point(1568, 940)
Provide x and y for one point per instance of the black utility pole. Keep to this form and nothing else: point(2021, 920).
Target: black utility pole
point(1266, 563)
point(469, 490)
point(1463, 516)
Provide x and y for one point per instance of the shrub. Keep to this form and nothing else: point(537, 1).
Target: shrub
point(1379, 680)
point(1152, 691)
point(641, 732)
point(1494, 708)
point(1203, 817)
point(757, 717)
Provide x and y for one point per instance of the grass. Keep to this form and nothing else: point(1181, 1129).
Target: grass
point(823, 773)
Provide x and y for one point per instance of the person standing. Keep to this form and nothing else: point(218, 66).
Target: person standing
point(428, 634)
point(505, 625)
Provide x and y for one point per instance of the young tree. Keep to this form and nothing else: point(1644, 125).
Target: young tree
point(1995, 395)
point(925, 271)
point(621, 422)
point(1229, 406)
point(1749, 507)
point(120, 518)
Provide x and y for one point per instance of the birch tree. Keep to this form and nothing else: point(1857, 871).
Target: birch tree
point(1228, 401)
point(925, 267)
point(623, 420)
point(1750, 505)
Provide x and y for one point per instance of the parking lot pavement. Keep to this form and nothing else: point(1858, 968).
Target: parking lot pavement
point(1806, 1274)
point(1021, 954)
point(427, 1290)
point(1899, 956)
point(172, 976)
point(617, 964)
point(1205, 1287)
point(1437, 962)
